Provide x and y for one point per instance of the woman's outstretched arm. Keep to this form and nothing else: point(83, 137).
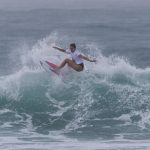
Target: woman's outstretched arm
point(60, 49)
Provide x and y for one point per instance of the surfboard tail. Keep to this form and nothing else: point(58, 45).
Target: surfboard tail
point(50, 66)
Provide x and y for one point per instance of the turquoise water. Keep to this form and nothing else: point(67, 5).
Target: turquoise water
point(104, 107)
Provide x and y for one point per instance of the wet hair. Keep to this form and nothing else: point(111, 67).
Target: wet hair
point(73, 45)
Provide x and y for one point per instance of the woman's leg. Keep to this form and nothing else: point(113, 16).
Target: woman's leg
point(71, 64)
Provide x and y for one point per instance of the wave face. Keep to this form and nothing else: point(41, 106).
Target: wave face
point(109, 99)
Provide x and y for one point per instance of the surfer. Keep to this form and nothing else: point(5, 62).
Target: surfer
point(76, 61)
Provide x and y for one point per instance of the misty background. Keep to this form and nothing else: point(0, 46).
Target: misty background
point(118, 27)
point(71, 4)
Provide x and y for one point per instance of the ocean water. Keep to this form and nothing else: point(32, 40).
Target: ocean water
point(105, 107)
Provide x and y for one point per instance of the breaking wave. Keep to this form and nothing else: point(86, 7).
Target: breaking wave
point(110, 97)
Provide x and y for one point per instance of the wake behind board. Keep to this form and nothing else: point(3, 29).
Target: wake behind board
point(50, 67)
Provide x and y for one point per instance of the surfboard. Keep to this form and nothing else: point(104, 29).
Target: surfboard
point(50, 67)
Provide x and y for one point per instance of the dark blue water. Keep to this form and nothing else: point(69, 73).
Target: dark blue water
point(106, 106)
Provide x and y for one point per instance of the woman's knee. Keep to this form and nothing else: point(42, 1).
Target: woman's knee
point(67, 60)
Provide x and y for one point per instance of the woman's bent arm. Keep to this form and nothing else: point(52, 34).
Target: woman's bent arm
point(87, 59)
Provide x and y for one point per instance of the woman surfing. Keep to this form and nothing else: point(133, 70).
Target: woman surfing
point(76, 61)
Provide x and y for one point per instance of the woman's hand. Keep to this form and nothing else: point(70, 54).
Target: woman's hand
point(55, 47)
point(94, 60)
